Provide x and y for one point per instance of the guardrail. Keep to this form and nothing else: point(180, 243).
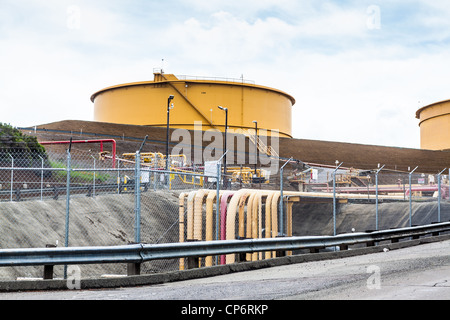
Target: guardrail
point(135, 254)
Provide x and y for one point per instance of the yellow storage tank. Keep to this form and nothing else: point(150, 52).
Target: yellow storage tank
point(195, 99)
point(435, 126)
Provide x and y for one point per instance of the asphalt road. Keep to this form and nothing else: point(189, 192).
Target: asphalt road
point(415, 273)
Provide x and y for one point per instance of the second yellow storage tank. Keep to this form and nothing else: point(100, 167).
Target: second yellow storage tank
point(435, 126)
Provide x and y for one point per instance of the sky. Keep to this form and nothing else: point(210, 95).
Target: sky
point(358, 70)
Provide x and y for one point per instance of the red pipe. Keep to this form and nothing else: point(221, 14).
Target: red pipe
point(89, 141)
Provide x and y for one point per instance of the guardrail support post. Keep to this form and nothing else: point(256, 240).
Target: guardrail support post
point(48, 269)
point(48, 272)
point(192, 262)
point(280, 253)
point(133, 269)
point(241, 257)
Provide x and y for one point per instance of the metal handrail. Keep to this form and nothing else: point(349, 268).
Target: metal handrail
point(222, 79)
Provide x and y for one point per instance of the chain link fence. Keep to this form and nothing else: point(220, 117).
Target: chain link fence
point(384, 198)
point(81, 198)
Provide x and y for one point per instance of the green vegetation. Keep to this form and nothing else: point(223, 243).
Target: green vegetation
point(26, 150)
point(77, 176)
point(13, 138)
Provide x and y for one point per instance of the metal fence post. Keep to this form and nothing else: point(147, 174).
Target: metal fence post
point(281, 205)
point(66, 237)
point(137, 192)
point(410, 197)
point(155, 176)
point(42, 174)
point(439, 195)
point(376, 197)
point(118, 176)
point(93, 184)
point(12, 176)
point(334, 198)
point(219, 171)
point(219, 176)
point(137, 197)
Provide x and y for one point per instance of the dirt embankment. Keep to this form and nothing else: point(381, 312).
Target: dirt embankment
point(317, 219)
point(315, 151)
point(101, 221)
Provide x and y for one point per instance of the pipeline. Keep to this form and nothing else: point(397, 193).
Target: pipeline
point(252, 217)
point(223, 216)
point(194, 218)
point(209, 220)
point(250, 225)
point(190, 216)
point(268, 230)
point(181, 198)
point(198, 218)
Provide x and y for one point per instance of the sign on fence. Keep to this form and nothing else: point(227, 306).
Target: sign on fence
point(211, 170)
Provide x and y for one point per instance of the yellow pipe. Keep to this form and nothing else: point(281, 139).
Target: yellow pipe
point(181, 198)
point(198, 216)
point(256, 221)
point(242, 202)
point(289, 222)
point(253, 212)
point(249, 219)
point(268, 218)
point(231, 216)
point(209, 222)
point(190, 216)
point(209, 215)
point(250, 227)
point(274, 212)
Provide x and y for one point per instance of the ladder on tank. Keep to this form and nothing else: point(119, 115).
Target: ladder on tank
point(262, 147)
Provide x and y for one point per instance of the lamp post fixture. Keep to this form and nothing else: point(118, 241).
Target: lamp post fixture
point(256, 145)
point(225, 180)
point(167, 131)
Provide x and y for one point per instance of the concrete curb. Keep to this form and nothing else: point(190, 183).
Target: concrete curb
point(152, 279)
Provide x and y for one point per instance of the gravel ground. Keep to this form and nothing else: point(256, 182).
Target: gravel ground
point(420, 272)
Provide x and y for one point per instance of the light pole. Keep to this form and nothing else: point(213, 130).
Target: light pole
point(225, 180)
point(167, 131)
point(376, 195)
point(439, 195)
point(410, 197)
point(256, 145)
point(334, 196)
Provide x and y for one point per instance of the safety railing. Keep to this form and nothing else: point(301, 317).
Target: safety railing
point(135, 254)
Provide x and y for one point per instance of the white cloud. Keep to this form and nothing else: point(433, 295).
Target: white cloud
point(351, 83)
